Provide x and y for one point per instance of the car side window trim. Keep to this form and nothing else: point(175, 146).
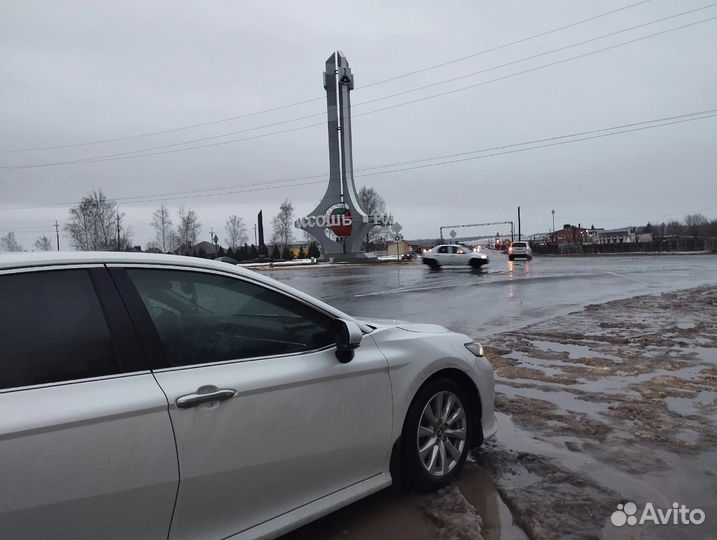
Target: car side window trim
point(74, 381)
point(244, 360)
point(124, 338)
point(141, 320)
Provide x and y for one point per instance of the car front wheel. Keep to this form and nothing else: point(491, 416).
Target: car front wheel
point(436, 434)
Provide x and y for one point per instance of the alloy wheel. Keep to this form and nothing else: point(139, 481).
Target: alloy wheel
point(441, 435)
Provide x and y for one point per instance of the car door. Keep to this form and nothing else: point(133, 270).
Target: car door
point(442, 255)
point(287, 424)
point(86, 448)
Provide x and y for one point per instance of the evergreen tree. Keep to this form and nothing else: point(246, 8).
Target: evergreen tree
point(314, 250)
point(302, 253)
point(275, 254)
point(230, 253)
point(286, 253)
point(253, 252)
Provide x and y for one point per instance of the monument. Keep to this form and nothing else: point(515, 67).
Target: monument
point(338, 223)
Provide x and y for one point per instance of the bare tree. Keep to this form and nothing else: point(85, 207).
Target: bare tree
point(189, 227)
point(95, 224)
point(174, 242)
point(283, 224)
point(236, 231)
point(674, 228)
point(43, 243)
point(162, 224)
point(372, 203)
point(695, 223)
point(9, 243)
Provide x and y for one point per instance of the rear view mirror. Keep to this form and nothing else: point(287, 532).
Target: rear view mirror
point(348, 338)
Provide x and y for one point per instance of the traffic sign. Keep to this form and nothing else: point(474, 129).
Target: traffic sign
point(397, 227)
point(398, 237)
point(453, 233)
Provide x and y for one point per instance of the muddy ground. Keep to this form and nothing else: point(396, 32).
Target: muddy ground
point(614, 403)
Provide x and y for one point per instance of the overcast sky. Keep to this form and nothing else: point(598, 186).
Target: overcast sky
point(78, 72)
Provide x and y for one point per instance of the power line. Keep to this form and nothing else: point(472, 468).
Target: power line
point(312, 100)
point(422, 162)
point(134, 155)
point(404, 92)
point(516, 42)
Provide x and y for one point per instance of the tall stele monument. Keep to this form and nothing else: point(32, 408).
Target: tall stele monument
point(338, 223)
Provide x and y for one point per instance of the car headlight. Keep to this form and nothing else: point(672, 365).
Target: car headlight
point(476, 348)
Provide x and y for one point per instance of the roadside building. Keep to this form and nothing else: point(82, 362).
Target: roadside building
point(398, 248)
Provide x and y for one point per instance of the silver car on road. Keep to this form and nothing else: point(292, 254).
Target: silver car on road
point(151, 396)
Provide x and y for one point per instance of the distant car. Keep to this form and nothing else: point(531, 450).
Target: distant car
point(454, 255)
point(520, 250)
point(227, 260)
point(122, 373)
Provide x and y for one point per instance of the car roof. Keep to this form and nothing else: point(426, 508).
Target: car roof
point(44, 258)
point(9, 261)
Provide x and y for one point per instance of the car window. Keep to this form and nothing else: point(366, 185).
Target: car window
point(52, 329)
point(519, 244)
point(205, 318)
point(454, 249)
point(443, 249)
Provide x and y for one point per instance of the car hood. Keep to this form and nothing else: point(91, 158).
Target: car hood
point(404, 325)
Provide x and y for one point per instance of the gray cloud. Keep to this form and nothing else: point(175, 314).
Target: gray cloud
point(81, 71)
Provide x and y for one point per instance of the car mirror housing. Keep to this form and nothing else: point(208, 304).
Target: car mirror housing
point(348, 338)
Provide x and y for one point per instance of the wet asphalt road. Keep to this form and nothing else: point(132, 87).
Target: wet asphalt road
point(503, 296)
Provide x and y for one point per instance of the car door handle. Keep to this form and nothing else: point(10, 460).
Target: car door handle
point(217, 394)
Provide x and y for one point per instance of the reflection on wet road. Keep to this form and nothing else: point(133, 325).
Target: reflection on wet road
point(504, 296)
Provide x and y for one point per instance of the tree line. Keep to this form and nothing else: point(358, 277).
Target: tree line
point(97, 224)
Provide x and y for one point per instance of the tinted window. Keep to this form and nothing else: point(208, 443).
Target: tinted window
point(443, 249)
point(52, 329)
point(454, 249)
point(204, 318)
point(519, 244)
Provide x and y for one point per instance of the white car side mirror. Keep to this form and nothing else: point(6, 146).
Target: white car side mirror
point(348, 338)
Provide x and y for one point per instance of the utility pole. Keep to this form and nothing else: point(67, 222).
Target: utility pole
point(255, 234)
point(215, 240)
point(553, 212)
point(118, 231)
point(57, 234)
point(519, 236)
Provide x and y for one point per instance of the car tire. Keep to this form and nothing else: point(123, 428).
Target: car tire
point(476, 263)
point(511, 258)
point(530, 258)
point(436, 435)
point(433, 264)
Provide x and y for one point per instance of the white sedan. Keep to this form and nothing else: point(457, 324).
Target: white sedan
point(152, 396)
point(454, 255)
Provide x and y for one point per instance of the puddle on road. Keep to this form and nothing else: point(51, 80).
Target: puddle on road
point(574, 351)
point(703, 402)
point(402, 515)
point(480, 490)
